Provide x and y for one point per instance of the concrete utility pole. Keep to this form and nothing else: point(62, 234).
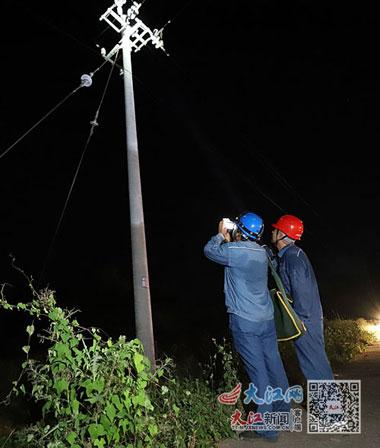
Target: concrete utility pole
point(134, 36)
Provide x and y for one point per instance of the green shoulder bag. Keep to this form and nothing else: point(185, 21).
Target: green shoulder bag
point(288, 324)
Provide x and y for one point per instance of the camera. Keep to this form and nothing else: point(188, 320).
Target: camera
point(228, 224)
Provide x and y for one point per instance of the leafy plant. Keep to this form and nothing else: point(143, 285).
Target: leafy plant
point(94, 392)
point(100, 392)
point(344, 339)
point(190, 414)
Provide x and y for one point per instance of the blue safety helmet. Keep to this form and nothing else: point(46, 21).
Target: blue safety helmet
point(250, 225)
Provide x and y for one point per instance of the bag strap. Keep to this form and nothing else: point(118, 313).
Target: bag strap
point(280, 286)
point(276, 277)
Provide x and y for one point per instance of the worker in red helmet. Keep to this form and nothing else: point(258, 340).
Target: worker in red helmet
point(300, 283)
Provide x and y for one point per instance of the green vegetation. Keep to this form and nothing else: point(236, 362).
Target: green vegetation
point(344, 339)
point(99, 392)
point(94, 391)
point(9, 443)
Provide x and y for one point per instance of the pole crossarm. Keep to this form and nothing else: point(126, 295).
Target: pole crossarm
point(131, 27)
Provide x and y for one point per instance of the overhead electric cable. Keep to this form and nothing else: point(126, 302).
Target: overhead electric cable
point(179, 12)
point(93, 123)
point(228, 164)
point(39, 121)
point(47, 21)
point(279, 177)
point(58, 29)
point(264, 162)
point(85, 82)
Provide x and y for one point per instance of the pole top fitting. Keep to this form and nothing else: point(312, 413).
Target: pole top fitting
point(131, 27)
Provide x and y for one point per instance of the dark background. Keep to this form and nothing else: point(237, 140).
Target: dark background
point(267, 106)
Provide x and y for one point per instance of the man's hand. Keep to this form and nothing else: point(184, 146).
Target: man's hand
point(222, 230)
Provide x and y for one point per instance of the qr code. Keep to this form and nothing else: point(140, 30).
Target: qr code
point(333, 406)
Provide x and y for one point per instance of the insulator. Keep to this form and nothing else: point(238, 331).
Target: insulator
point(86, 80)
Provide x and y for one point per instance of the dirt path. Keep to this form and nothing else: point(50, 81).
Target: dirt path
point(366, 368)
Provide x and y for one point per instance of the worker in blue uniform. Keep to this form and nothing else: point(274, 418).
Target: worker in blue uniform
point(250, 307)
point(300, 283)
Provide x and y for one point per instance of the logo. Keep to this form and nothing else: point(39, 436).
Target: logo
point(289, 420)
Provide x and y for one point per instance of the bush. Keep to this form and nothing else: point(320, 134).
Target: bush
point(98, 392)
point(344, 339)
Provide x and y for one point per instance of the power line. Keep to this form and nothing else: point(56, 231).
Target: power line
point(47, 21)
point(84, 83)
point(39, 121)
point(280, 178)
point(264, 162)
point(179, 12)
point(284, 183)
point(230, 167)
point(94, 123)
point(267, 165)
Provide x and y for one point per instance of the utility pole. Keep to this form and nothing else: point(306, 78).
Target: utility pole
point(134, 36)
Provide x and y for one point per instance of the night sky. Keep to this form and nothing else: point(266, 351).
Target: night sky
point(262, 105)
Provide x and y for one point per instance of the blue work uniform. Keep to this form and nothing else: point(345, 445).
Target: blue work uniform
point(299, 280)
point(251, 313)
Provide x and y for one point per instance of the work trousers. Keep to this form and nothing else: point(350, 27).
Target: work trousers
point(256, 343)
point(311, 354)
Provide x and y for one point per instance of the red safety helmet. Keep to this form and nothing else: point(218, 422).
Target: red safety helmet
point(290, 225)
